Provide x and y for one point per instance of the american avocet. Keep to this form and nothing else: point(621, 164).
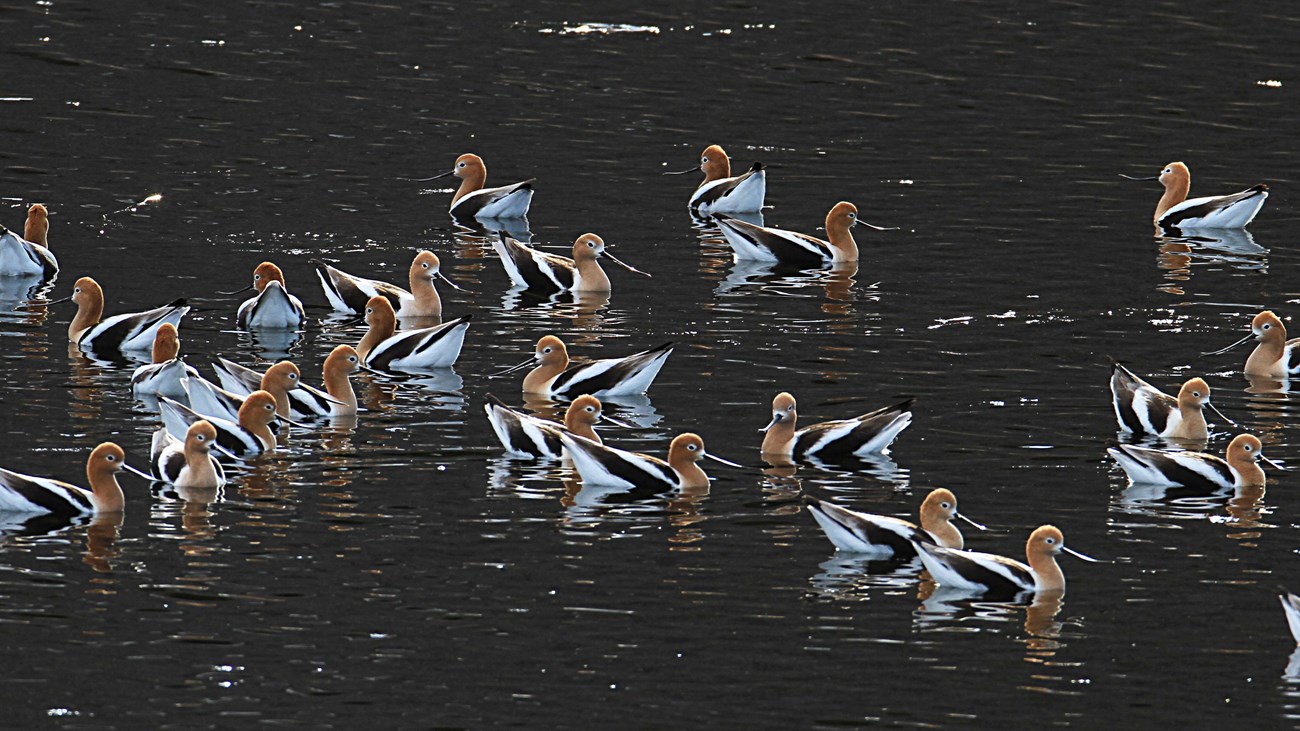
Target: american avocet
point(188, 463)
point(1196, 469)
point(553, 377)
point(21, 493)
point(602, 465)
point(250, 436)
point(383, 348)
point(884, 536)
point(1142, 408)
point(870, 433)
point(130, 331)
point(347, 293)
point(759, 243)
point(528, 267)
point(162, 377)
point(530, 436)
point(721, 193)
point(1291, 607)
point(28, 255)
point(1175, 210)
point(1275, 356)
point(272, 307)
point(337, 399)
point(279, 380)
point(987, 572)
point(472, 200)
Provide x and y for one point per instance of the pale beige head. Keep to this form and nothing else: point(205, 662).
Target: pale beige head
point(588, 247)
point(425, 266)
point(1194, 393)
point(200, 437)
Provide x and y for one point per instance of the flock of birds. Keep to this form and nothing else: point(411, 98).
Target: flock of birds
point(246, 411)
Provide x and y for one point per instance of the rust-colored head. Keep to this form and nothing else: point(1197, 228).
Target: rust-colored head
point(342, 360)
point(265, 273)
point(1175, 175)
point(778, 437)
point(166, 343)
point(550, 351)
point(258, 410)
point(937, 513)
point(106, 459)
point(715, 164)
point(582, 415)
point(469, 166)
point(1177, 180)
point(1268, 326)
point(685, 449)
point(37, 228)
point(90, 307)
point(283, 375)
point(1244, 454)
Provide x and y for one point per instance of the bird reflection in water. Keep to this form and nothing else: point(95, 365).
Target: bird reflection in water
point(586, 310)
point(101, 542)
point(1178, 253)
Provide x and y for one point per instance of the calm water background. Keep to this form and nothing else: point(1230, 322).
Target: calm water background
point(405, 573)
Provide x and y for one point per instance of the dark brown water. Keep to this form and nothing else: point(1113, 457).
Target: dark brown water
point(404, 573)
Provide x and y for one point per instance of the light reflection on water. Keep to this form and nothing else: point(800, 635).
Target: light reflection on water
point(403, 557)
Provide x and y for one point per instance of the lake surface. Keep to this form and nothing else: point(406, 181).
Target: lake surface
point(404, 572)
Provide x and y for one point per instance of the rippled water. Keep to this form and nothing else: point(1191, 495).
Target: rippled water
point(404, 572)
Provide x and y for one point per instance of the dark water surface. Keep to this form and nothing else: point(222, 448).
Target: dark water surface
point(404, 573)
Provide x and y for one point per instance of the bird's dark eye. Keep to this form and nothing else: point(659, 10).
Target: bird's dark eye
point(460, 164)
point(352, 358)
point(111, 458)
point(1051, 541)
point(691, 447)
point(546, 350)
point(202, 438)
point(945, 505)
